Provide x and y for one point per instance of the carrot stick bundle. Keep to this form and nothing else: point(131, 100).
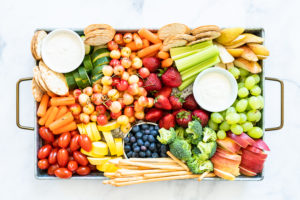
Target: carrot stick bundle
point(43, 119)
point(163, 55)
point(62, 101)
point(148, 50)
point(61, 111)
point(146, 43)
point(43, 106)
point(64, 120)
point(132, 45)
point(149, 36)
point(69, 127)
point(167, 62)
point(52, 116)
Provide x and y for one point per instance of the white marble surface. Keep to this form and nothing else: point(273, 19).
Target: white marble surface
point(18, 19)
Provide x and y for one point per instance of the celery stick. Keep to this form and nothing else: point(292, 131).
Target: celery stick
point(180, 50)
point(188, 53)
point(195, 70)
point(196, 58)
point(186, 83)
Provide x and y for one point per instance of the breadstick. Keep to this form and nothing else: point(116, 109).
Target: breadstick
point(154, 175)
point(172, 167)
point(158, 160)
point(139, 172)
point(126, 179)
point(178, 161)
point(203, 175)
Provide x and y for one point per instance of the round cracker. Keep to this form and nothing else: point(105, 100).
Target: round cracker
point(56, 82)
point(205, 28)
point(200, 40)
point(37, 92)
point(186, 37)
point(171, 42)
point(93, 27)
point(38, 79)
point(212, 34)
point(172, 30)
point(36, 44)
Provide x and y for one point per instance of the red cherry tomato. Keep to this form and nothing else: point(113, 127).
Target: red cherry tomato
point(52, 168)
point(71, 158)
point(64, 140)
point(73, 133)
point(85, 142)
point(74, 144)
point(62, 157)
point(63, 173)
point(80, 158)
point(43, 164)
point(55, 143)
point(46, 134)
point(83, 170)
point(92, 167)
point(53, 156)
point(69, 150)
point(44, 151)
point(72, 166)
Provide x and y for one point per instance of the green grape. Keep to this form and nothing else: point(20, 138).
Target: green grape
point(254, 103)
point(261, 102)
point(224, 126)
point(234, 103)
point(243, 72)
point(243, 118)
point(223, 113)
point(232, 118)
point(221, 134)
point(212, 125)
point(255, 132)
point(249, 82)
point(256, 77)
point(242, 79)
point(216, 117)
point(247, 126)
point(236, 129)
point(235, 72)
point(254, 115)
point(241, 85)
point(255, 90)
point(243, 92)
point(241, 105)
point(230, 110)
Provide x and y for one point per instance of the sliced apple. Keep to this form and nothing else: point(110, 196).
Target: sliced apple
point(247, 172)
point(252, 165)
point(238, 40)
point(229, 145)
point(254, 149)
point(229, 155)
point(224, 161)
point(252, 67)
point(258, 155)
point(259, 49)
point(227, 168)
point(237, 52)
point(229, 34)
point(239, 140)
point(261, 145)
point(223, 174)
point(223, 53)
point(251, 38)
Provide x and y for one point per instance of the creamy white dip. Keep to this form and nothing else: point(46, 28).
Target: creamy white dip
point(63, 50)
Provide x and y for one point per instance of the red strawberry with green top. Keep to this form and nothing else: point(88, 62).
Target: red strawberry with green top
point(176, 102)
point(171, 77)
point(165, 91)
point(167, 121)
point(153, 115)
point(152, 83)
point(183, 118)
point(202, 115)
point(190, 103)
point(177, 111)
point(162, 102)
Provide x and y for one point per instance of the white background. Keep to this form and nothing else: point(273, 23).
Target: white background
point(18, 20)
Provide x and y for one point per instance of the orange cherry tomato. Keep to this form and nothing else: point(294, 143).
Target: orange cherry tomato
point(80, 158)
point(55, 143)
point(52, 168)
point(43, 164)
point(85, 142)
point(72, 166)
point(44, 151)
point(46, 134)
point(63, 173)
point(53, 156)
point(83, 170)
point(64, 140)
point(62, 157)
point(74, 144)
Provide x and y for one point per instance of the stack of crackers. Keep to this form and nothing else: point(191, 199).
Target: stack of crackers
point(98, 34)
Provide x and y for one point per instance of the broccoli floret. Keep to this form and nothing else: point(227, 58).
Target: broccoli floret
point(198, 166)
point(180, 132)
point(206, 166)
point(209, 135)
point(166, 136)
point(194, 131)
point(208, 149)
point(195, 151)
point(181, 149)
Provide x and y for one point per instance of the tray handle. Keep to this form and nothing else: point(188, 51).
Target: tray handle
point(281, 104)
point(18, 104)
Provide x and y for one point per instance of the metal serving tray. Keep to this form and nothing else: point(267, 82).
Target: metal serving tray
point(42, 175)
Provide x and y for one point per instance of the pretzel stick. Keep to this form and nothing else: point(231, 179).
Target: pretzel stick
point(154, 160)
point(203, 175)
point(155, 175)
point(178, 161)
point(140, 164)
point(139, 172)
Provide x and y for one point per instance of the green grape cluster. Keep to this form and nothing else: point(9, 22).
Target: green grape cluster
point(245, 112)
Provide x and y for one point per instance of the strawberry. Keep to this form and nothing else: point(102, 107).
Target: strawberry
point(152, 63)
point(162, 102)
point(183, 118)
point(176, 102)
point(190, 103)
point(165, 91)
point(152, 83)
point(154, 115)
point(167, 121)
point(177, 111)
point(171, 78)
point(202, 116)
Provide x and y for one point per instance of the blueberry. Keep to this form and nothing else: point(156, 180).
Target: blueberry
point(139, 135)
point(132, 139)
point(154, 155)
point(163, 155)
point(135, 129)
point(126, 140)
point(154, 132)
point(127, 148)
point(145, 138)
point(152, 147)
point(147, 144)
point(134, 144)
point(156, 128)
point(135, 155)
point(129, 154)
point(142, 154)
point(151, 138)
point(140, 142)
point(163, 148)
point(145, 126)
point(148, 153)
point(143, 148)
point(136, 149)
point(147, 131)
point(158, 145)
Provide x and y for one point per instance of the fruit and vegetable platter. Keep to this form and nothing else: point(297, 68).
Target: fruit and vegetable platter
point(149, 105)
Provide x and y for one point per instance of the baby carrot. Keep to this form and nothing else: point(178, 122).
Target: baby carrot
point(51, 94)
point(43, 119)
point(148, 50)
point(167, 62)
point(69, 127)
point(64, 120)
point(151, 54)
point(132, 46)
point(138, 41)
point(52, 116)
point(146, 43)
point(43, 106)
point(163, 55)
point(149, 36)
point(62, 101)
point(61, 111)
